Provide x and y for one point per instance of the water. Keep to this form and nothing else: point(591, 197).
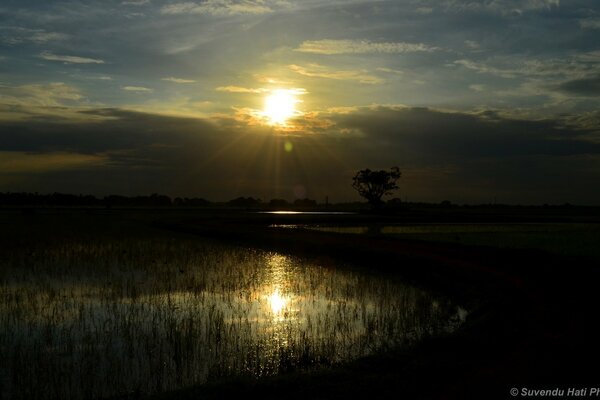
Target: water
point(98, 317)
point(569, 238)
point(286, 212)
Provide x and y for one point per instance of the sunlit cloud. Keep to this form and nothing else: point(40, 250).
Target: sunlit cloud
point(40, 94)
point(136, 89)
point(327, 46)
point(270, 80)
point(217, 7)
point(239, 89)
point(391, 71)
point(178, 80)
point(280, 111)
point(544, 152)
point(135, 2)
point(20, 162)
point(320, 71)
point(46, 55)
point(56, 100)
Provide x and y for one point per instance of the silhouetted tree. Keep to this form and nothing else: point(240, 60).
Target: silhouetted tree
point(373, 185)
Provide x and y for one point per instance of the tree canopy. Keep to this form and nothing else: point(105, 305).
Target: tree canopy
point(373, 185)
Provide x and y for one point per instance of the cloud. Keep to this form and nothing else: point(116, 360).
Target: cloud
point(591, 23)
point(441, 135)
point(320, 71)
point(391, 71)
point(217, 7)
point(137, 89)
point(458, 155)
point(483, 68)
point(576, 66)
point(239, 89)
point(477, 87)
point(587, 87)
point(424, 10)
point(39, 95)
point(20, 162)
point(43, 37)
point(503, 7)
point(46, 55)
point(329, 46)
point(591, 56)
point(18, 35)
point(472, 45)
point(135, 2)
point(178, 80)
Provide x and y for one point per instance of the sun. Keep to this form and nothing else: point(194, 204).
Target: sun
point(280, 106)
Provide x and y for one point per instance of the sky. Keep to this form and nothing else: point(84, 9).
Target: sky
point(475, 101)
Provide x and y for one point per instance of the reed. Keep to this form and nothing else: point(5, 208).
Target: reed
point(85, 316)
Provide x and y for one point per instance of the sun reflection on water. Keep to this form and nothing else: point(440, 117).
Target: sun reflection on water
point(252, 312)
point(277, 302)
point(277, 285)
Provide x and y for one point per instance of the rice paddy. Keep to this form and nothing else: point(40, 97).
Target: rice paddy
point(91, 315)
point(573, 239)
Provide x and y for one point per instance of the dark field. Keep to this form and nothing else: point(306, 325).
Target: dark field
point(204, 304)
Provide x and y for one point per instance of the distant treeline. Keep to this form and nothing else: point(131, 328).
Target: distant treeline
point(158, 200)
point(153, 200)
point(62, 199)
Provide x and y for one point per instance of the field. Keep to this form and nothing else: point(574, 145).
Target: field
point(131, 304)
point(571, 239)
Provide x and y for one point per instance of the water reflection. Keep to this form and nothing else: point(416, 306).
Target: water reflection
point(277, 302)
point(275, 283)
point(103, 319)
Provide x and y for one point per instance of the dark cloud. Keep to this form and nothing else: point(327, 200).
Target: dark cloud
point(425, 133)
point(461, 156)
point(589, 87)
point(120, 130)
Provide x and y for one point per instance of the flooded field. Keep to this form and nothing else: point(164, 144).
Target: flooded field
point(85, 316)
point(574, 239)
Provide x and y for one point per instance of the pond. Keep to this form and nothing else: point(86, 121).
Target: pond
point(97, 317)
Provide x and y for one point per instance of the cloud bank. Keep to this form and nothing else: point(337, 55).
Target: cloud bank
point(462, 156)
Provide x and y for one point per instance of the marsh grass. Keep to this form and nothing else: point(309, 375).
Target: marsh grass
point(572, 239)
point(90, 315)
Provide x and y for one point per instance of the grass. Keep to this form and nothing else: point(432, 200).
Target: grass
point(571, 239)
point(100, 306)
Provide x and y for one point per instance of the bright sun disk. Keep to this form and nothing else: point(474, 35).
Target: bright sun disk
point(280, 106)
